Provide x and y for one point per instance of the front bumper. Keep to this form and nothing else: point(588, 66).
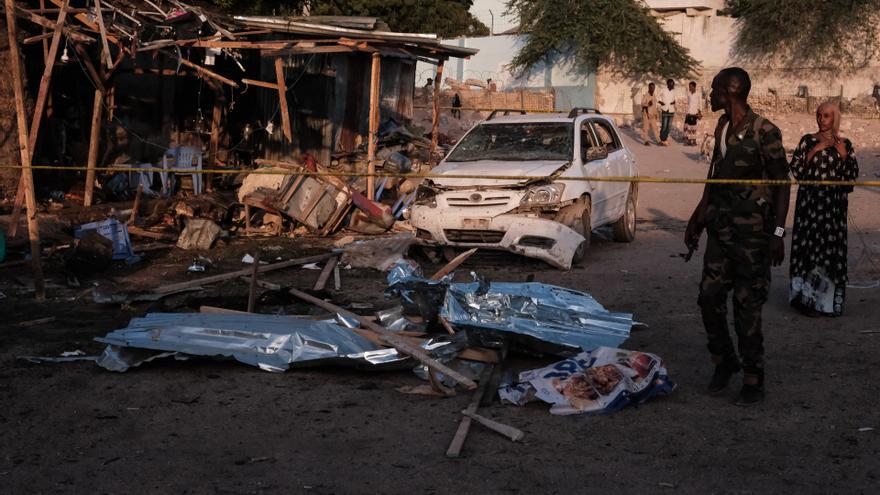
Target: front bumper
point(526, 235)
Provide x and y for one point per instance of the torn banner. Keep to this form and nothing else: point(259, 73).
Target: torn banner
point(270, 342)
point(603, 381)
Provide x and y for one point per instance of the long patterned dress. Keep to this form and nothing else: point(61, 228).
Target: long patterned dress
point(818, 245)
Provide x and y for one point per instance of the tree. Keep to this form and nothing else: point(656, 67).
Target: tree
point(814, 32)
point(446, 18)
point(617, 35)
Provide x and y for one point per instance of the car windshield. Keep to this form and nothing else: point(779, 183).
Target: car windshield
point(516, 142)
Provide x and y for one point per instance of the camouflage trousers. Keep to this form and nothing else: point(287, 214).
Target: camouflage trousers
point(736, 260)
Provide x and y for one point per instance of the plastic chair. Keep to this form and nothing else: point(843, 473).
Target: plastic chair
point(185, 158)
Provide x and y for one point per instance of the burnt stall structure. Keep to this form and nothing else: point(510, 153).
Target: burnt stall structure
point(116, 82)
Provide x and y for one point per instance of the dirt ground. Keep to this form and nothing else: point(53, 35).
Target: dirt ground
point(219, 427)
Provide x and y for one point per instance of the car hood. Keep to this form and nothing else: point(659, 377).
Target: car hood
point(539, 168)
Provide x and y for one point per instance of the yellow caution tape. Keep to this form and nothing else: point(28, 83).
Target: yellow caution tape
point(639, 179)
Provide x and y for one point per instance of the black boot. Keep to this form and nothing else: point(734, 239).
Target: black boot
point(728, 367)
point(751, 393)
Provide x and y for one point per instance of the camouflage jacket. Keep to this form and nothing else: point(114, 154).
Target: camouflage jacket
point(754, 151)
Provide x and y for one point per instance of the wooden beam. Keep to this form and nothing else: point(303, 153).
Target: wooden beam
point(39, 107)
point(282, 96)
point(108, 59)
point(452, 265)
point(201, 70)
point(325, 273)
point(97, 78)
point(375, 76)
point(40, 37)
point(389, 338)
point(262, 84)
point(94, 143)
point(45, 79)
point(435, 120)
point(464, 426)
point(26, 171)
point(238, 45)
point(46, 23)
point(241, 273)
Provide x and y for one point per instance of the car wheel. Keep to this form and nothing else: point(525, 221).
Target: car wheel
point(625, 227)
point(577, 217)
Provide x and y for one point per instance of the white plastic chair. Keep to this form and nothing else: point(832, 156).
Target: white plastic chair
point(184, 158)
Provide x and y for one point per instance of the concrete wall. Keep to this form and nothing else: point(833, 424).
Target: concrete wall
point(710, 41)
point(571, 88)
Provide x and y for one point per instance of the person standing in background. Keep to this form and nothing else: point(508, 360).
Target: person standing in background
point(491, 86)
point(694, 114)
point(649, 114)
point(456, 106)
point(666, 100)
point(819, 239)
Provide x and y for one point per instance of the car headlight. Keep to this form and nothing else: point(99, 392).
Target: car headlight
point(426, 196)
point(545, 194)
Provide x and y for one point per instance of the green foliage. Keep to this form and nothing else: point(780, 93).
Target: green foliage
point(446, 18)
point(842, 34)
point(616, 35)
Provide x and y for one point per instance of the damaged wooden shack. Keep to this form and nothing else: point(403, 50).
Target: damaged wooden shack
point(123, 98)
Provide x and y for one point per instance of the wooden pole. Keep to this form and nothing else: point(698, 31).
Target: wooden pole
point(282, 98)
point(214, 150)
point(375, 77)
point(252, 293)
point(106, 52)
point(94, 144)
point(42, 99)
point(435, 121)
point(26, 171)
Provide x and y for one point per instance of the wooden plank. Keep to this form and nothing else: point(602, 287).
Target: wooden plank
point(282, 98)
point(325, 273)
point(435, 118)
point(480, 354)
point(375, 76)
point(252, 293)
point(136, 205)
point(452, 265)
point(464, 426)
point(510, 432)
point(159, 236)
point(33, 323)
point(23, 141)
point(262, 84)
point(108, 59)
point(389, 338)
point(239, 273)
point(94, 144)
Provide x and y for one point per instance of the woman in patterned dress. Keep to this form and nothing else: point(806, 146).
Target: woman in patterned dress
point(818, 246)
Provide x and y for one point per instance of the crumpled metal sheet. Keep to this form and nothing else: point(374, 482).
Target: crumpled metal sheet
point(555, 315)
point(270, 342)
point(549, 318)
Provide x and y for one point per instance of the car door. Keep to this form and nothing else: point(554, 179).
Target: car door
point(617, 164)
point(594, 168)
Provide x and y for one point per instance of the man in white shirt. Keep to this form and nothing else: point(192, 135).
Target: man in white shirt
point(666, 99)
point(694, 114)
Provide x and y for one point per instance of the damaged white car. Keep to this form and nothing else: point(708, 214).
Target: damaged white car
point(548, 216)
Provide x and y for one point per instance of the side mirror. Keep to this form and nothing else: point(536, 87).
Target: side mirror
point(596, 153)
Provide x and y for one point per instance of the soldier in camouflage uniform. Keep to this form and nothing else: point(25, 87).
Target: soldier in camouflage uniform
point(745, 227)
